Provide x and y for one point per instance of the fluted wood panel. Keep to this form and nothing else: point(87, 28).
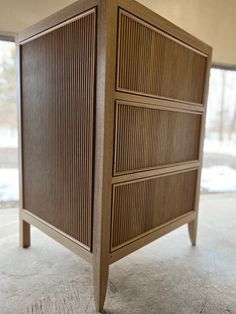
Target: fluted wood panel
point(148, 137)
point(141, 206)
point(155, 64)
point(58, 103)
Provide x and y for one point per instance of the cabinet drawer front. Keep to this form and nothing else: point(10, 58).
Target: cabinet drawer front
point(152, 63)
point(146, 138)
point(141, 206)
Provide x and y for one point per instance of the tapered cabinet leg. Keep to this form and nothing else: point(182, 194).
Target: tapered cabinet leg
point(192, 230)
point(100, 280)
point(24, 234)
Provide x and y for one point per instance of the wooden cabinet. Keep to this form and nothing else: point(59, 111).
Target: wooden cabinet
point(112, 105)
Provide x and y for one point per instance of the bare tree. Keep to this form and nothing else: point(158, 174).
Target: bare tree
point(232, 124)
point(8, 90)
point(222, 105)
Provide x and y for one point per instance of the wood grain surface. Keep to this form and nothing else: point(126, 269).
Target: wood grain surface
point(112, 108)
point(146, 137)
point(152, 63)
point(58, 103)
point(143, 205)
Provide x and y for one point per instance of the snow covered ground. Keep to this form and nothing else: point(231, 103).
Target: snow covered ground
point(217, 147)
point(218, 179)
point(8, 138)
point(214, 179)
point(9, 190)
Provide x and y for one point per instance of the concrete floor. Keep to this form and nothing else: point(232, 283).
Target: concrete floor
point(166, 277)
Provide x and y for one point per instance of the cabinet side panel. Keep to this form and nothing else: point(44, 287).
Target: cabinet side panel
point(141, 206)
point(58, 103)
point(155, 64)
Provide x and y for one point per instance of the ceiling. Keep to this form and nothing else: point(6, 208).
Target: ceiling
point(213, 21)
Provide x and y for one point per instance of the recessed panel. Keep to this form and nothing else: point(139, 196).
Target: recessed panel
point(154, 64)
point(58, 103)
point(141, 206)
point(148, 138)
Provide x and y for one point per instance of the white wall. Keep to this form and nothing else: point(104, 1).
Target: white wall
point(213, 21)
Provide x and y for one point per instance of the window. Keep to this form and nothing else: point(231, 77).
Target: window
point(8, 126)
point(219, 172)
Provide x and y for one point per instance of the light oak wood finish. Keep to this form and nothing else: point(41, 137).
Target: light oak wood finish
point(63, 238)
point(179, 69)
point(192, 227)
point(142, 130)
point(134, 204)
point(24, 233)
point(190, 165)
point(161, 103)
point(152, 236)
point(106, 52)
point(57, 130)
point(24, 227)
point(111, 107)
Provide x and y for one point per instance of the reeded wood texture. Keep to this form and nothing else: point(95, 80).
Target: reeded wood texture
point(155, 64)
point(58, 103)
point(141, 206)
point(148, 137)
